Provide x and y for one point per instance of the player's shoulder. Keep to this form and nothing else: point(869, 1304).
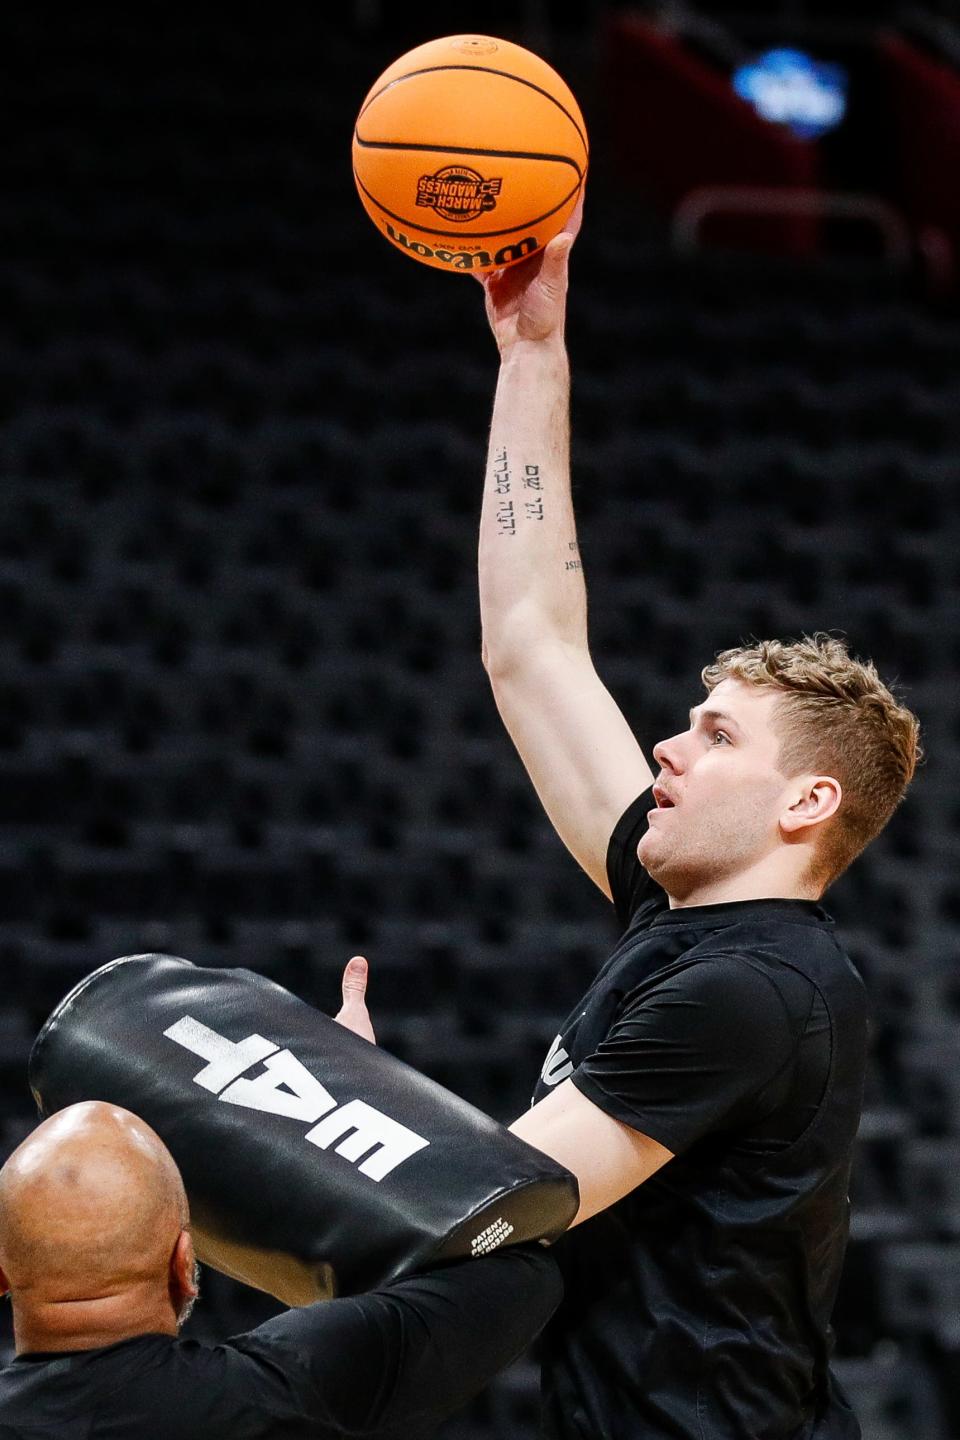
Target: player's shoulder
point(783, 931)
point(795, 952)
point(723, 975)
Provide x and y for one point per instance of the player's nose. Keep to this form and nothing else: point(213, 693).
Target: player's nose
point(669, 754)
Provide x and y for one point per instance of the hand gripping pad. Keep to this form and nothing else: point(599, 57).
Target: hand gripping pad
point(315, 1163)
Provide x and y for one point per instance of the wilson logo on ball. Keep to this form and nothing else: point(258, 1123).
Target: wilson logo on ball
point(458, 193)
point(475, 259)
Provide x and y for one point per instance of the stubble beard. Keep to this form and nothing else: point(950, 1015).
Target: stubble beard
point(681, 866)
point(186, 1309)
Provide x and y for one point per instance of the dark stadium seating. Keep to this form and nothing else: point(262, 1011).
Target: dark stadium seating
point(244, 717)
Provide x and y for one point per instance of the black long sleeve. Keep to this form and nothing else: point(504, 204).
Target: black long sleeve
point(398, 1360)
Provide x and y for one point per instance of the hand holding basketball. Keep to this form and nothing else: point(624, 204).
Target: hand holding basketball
point(528, 301)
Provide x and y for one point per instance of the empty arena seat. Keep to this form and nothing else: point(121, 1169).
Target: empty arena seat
point(921, 1286)
point(930, 1167)
point(930, 1079)
point(891, 1393)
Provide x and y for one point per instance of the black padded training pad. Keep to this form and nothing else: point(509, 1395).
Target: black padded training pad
point(315, 1163)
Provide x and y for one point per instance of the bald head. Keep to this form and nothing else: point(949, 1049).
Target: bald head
point(92, 1211)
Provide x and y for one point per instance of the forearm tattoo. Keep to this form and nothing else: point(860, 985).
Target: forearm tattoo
point(530, 508)
point(533, 505)
point(501, 473)
point(506, 518)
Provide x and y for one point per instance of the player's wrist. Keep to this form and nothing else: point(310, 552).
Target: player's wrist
point(523, 351)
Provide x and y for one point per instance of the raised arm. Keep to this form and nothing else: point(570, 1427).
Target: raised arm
point(578, 750)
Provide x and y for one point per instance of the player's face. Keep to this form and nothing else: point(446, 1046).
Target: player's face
point(719, 793)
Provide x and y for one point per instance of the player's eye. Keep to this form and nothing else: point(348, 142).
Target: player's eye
point(721, 735)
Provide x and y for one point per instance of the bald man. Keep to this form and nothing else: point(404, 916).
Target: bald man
point(96, 1254)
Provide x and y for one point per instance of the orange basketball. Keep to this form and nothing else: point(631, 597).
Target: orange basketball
point(469, 153)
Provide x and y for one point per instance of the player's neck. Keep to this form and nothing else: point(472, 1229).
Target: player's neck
point(775, 877)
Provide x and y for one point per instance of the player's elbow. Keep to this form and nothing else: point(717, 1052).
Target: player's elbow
point(516, 638)
point(517, 672)
point(505, 652)
point(502, 668)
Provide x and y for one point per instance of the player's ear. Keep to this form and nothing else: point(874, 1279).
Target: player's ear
point(816, 799)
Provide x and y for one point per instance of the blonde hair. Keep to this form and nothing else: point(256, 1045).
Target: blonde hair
point(835, 717)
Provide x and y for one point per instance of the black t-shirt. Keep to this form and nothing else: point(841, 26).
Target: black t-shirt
point(698, 1306)
point(389, 1364)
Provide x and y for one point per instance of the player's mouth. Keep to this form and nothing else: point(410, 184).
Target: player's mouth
point(663, 800)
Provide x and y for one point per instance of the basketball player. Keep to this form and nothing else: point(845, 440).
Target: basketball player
point(97, 1257)
point(706, 1090)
